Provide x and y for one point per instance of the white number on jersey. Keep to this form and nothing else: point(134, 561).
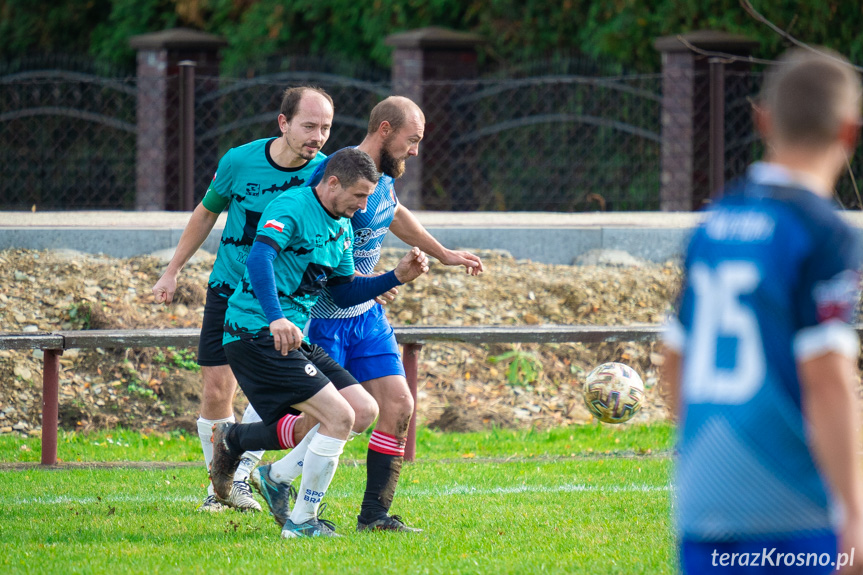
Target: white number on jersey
point(720, 313)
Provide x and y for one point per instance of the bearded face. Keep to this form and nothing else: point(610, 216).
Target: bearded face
point(392, 165)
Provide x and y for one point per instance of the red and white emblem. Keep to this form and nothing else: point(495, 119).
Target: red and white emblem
point(275, 224)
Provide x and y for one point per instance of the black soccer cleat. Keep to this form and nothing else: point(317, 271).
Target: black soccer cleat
point(386, 523)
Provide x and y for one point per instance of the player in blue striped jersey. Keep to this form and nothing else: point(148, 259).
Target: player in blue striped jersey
point(247, 179)
point(761, 359)
point(360, 338)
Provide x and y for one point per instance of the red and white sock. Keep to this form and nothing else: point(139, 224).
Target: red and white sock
point(285, 430)
point(386, 443)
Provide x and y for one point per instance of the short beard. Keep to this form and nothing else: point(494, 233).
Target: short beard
point(390, 165)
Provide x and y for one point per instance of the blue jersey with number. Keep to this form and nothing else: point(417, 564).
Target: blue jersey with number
point(770, 279)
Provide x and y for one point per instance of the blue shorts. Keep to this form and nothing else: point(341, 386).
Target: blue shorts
point(811, 554)
point(364, 345)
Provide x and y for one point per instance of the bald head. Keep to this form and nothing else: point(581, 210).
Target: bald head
point(809, 97)
point(395, 110)
point(292, 97)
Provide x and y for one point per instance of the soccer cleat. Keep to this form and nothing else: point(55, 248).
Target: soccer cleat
point(211, 505)
point(225, 462)
point(386, 523)
point(312, 528)
point(316, 527)
point(277, 495)
point(241, 498)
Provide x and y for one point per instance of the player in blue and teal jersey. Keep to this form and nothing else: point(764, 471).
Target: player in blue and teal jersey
point(247, 179)
point(360, 338)
point(762, 359)
point(303, 244)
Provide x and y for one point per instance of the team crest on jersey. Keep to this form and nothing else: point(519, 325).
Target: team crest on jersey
point(363, 236)
point(347, 243)
point(310, 370)
point(836, 298)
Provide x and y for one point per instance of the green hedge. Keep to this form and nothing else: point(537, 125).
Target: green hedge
point(620, 30)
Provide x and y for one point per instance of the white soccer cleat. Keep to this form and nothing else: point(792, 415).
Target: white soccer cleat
point(211, 505)
point(241, 498)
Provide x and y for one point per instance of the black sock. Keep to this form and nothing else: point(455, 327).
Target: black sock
point(253, 437)
point(382, 475)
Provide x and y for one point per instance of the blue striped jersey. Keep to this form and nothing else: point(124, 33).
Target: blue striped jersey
point(770, 280)
point(370, 228)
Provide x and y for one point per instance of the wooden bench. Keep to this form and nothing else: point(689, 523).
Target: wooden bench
point(412, 339)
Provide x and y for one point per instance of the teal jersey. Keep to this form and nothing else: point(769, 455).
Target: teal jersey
point(313, 246)
point(246, 180)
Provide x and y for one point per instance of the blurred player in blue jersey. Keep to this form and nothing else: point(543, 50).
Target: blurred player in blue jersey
point(360, 338)
point(247, 179)
point(761, 356)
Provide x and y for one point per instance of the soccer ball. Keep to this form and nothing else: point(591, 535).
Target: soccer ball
point(613, 392)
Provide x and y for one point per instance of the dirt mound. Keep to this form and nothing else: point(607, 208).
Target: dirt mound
point(461, 387)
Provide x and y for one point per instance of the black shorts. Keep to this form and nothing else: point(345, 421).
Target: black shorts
point(210, 352)
point(274, 383)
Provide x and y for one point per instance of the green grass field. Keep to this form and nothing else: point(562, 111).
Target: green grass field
point(590, 499)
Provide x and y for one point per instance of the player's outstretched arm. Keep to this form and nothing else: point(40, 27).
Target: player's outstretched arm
point(385, 297)
point(831, 408)
point(199, 227)
point(408, 229)
point(353, 290)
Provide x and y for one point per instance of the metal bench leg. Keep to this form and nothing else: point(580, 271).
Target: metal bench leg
point(50, 404)
point(410, 359)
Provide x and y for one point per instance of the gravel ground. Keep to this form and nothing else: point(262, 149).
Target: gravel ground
point(462, 387)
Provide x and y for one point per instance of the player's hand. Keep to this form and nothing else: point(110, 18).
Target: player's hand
point(163, 291)
point(286, 336)
point(414, 264)
point(472, 264)
point(387, 297)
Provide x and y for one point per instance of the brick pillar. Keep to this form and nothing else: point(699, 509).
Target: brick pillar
point(158, 158)
point(423, 60)
point(686, 126)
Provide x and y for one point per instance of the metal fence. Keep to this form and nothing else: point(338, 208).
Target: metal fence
point(535, 139)
point(545, 143)
point(67, 135)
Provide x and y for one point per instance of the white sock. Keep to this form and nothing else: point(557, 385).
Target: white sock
point(247, 463)
point(250, 415)
point(319, 467)
point(289, 467)
point(250, 458)
point(205, 434)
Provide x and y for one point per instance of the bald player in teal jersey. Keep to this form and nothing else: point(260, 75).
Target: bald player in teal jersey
point(247, 179)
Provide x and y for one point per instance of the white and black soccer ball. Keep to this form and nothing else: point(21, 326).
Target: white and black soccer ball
point(613, 392)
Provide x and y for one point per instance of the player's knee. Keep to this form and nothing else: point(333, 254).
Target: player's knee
point(218, 382)
point(365, 414)
point(401, 406)
point(341, 419)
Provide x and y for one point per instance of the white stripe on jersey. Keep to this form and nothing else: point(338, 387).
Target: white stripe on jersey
point(370, 228)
